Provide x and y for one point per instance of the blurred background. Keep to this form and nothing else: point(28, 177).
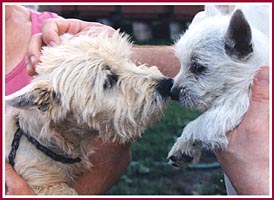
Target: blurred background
point(149, 172)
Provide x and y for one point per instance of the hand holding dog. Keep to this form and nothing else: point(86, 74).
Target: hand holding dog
point(246, 161)
point(15, 185)
point(53, 28)
point(51, 31)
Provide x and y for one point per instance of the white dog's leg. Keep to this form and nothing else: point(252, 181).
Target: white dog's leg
point(209, 131)
point(186, 150)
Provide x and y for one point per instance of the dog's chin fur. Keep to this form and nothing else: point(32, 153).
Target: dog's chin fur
point(215, 78)
point(87, 87)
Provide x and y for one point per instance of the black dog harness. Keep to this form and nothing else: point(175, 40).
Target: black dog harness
point(15, 144)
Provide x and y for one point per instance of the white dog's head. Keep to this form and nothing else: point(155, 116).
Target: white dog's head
point(217, 53)
point(92, 81)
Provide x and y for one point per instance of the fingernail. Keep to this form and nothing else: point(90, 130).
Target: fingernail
point(52, 44)
point(262, 77)
point(32, 59)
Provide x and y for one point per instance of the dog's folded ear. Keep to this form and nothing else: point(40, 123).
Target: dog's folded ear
point(238, 38)
point(37, 95)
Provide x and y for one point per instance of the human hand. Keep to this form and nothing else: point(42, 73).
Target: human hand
point(246, 160)
point(15, 185)
point(50, 35)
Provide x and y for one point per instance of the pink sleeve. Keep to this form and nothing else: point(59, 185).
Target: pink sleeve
point(18, 77)
point(37, 19)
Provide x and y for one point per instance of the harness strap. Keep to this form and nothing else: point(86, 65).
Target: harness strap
point(54, 156)
point(14, 146)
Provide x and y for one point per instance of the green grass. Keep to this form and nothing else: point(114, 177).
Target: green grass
point(149, 172)
point(158, 139)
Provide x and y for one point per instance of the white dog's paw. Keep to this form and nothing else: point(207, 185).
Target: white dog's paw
point(184, 153)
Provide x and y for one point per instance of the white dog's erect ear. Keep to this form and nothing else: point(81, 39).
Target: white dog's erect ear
point(238, 38)
point(37, 95)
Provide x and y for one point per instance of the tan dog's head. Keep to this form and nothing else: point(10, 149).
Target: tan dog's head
point(92, 80)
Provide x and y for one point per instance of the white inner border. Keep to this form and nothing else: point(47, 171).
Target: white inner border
point(137, 196)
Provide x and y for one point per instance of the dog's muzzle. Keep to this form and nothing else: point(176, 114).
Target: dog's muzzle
point(164, 86)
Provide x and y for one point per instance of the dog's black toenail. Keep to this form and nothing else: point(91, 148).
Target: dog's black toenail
point(173, 158)
point(187, 158)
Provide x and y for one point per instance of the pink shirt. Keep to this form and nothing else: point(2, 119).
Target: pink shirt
point(18, 77)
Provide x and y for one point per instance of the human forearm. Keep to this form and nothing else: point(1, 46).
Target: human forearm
point(161, 56)
point(110, 161)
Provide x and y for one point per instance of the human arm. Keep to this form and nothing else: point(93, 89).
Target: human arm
point(110, 161)
point(246, 160)
point(161, 56)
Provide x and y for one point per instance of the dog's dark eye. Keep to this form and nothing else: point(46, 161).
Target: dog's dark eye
point(110, 81)
point(197, 68)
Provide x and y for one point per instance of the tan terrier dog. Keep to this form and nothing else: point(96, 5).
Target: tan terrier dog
point(85, 88)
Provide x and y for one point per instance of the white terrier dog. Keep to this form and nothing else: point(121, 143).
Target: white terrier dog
point(219, 56)
point(86, 88)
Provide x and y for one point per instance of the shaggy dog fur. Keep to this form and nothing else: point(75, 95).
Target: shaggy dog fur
point(219, 55)
point(87, 87)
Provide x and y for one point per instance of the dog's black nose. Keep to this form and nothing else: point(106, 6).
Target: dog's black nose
point(164, 86)
point(175, 93)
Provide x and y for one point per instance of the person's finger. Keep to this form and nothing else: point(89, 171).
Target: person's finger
point(53, 28)
point(33, 53)
point(260, 90)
